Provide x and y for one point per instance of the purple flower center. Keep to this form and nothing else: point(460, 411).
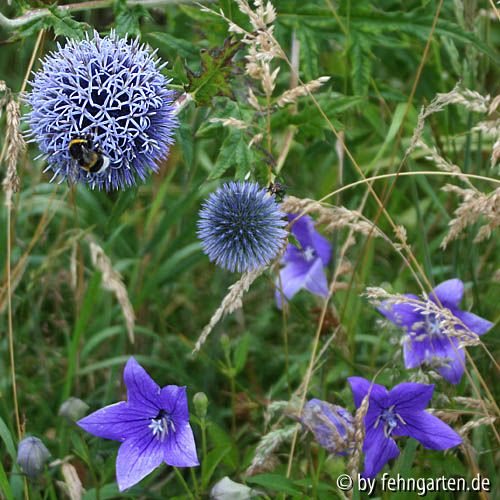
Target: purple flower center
point(432, 325)
point(309, 253)
point(161, 425)
point(390, 419)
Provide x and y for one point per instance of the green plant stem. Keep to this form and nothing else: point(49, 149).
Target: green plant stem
point(195, 482)
point(35, 14)
point(204, 438)
point(183, 483)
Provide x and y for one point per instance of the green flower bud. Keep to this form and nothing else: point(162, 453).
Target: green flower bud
point(73, 409)
point(200, 401)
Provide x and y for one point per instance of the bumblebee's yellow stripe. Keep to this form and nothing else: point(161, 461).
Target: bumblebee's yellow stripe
point(78, 141)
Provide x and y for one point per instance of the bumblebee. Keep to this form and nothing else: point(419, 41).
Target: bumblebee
point(277, 189)
point(87, 156)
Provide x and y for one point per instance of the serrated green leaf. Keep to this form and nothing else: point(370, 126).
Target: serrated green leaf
point(213, 78)
point(361, 64)
point(64, 25)
point(128, 18)
point(308, 53)
point(234, 152)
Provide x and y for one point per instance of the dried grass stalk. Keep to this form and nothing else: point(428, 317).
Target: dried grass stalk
point(264, 458)
point(474, 424)
point(432, 154)
point(231, 302)
point(15, 143)
point(291, 95)
point(332, 218)
point(112, 280)
point(359, 437)
point(230, 122)
point(474, 206)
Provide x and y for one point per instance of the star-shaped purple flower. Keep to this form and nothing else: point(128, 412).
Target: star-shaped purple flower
point(304, 266)
point(398, 412)
point(427, 342)
point(152, 425)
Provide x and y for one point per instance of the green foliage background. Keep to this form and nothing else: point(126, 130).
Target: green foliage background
point(73, 341)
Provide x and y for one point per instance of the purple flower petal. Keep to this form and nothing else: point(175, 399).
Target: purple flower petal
point(315, 280)
point(174, 401)
point(449, 293)
point(292, 277)
point(142, 390)
point(378, 451)
point(404, 314)
point(118, 422)
point(360, 388)
point(415, 350)
point(302, 229)
point(429, 430)
point(136, 458)
point(410, 397)
point(473, 322)
point(453, 365)
point(322, 247)
point(180, 448)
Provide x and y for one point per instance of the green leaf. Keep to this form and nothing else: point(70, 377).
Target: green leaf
point(210, 463)
point(397, 120)
point(7, 439)
point(64, 25)
point(124, 201)
point(185, 138)
point(176, 45)
point(241, 352)
point(105, 492)
point(128, 18)
point(275, 482)
point(234, 152)
point(4, 484)
point(213, 78)
point(361, 64)
point(308, 53)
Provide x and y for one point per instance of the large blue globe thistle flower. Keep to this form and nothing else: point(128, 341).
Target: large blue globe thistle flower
point(108, 89)
point(241, 227)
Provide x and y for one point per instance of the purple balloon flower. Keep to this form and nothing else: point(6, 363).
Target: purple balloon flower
point(152, 425)
point(427, 341)
point(304, 266)
point(332, 425)
point(398, 412)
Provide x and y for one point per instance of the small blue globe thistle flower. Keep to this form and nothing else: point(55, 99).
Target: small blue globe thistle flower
point(241, 227)
point(111, 92)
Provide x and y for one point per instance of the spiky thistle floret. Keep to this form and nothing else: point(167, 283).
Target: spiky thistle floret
point(111, 89)
point(241, 227)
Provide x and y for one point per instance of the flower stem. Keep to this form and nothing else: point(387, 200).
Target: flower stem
point(183, 483)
